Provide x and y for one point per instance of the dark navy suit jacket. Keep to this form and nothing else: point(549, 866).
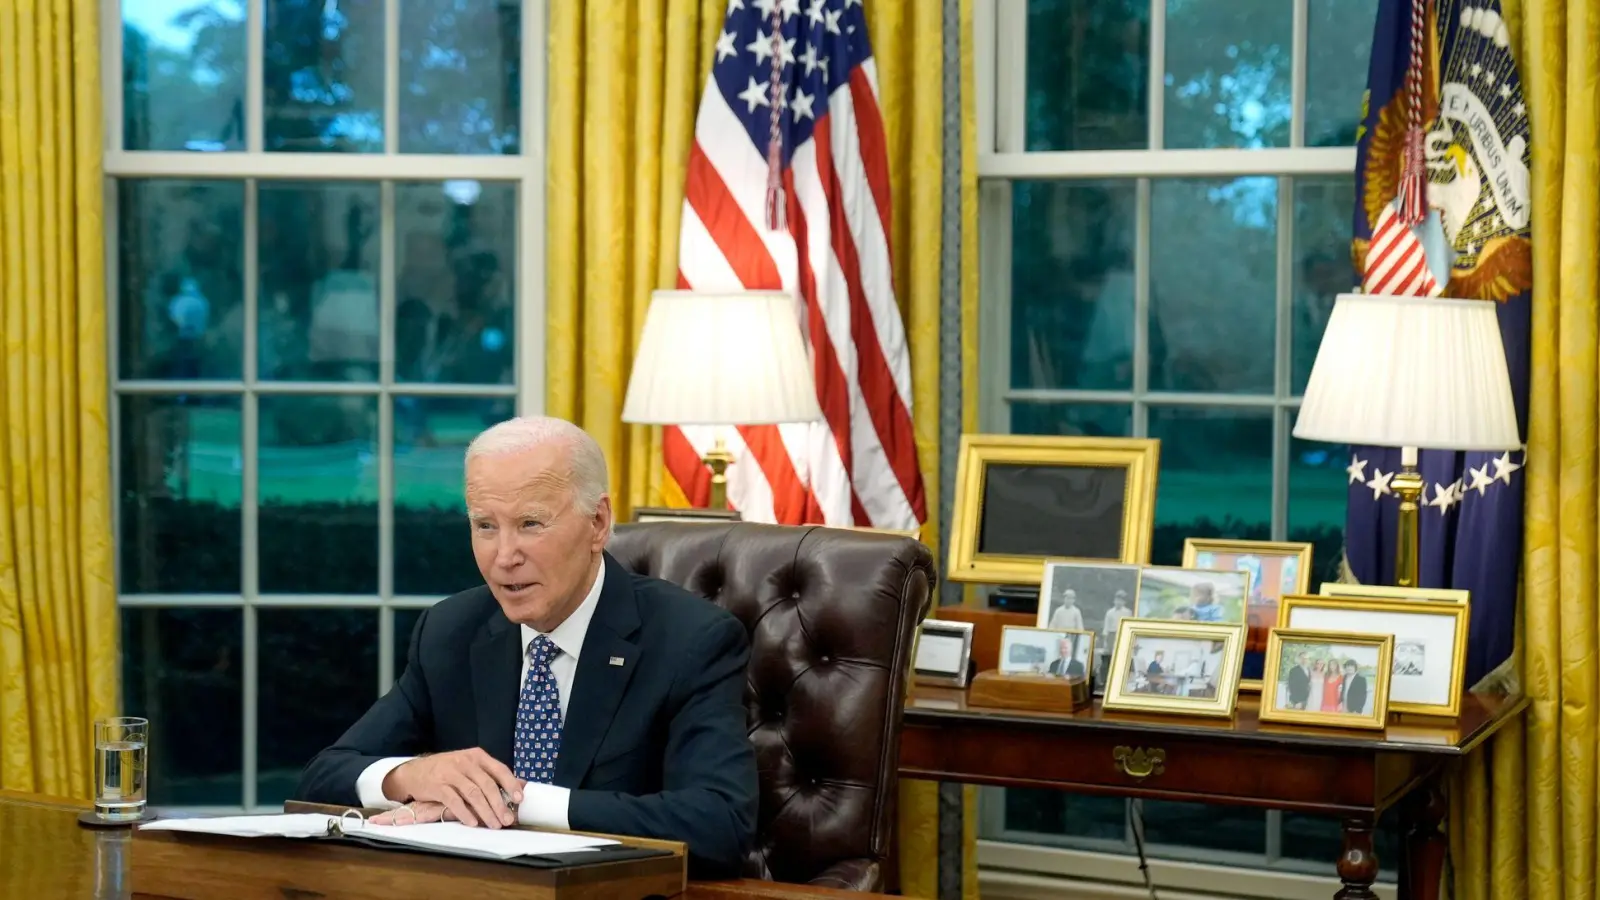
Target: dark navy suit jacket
point(656, 747)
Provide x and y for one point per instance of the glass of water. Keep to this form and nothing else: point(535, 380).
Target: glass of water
point(121, 759)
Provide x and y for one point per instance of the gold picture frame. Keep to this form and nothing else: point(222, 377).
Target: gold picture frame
point(1275, 708)
point(1157, 690)
point(1045, 640)
point(1428, 677)
point(1260, 617)
point(1137, 459)
point(1390, 592)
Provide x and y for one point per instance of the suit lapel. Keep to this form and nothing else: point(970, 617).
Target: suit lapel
point(605, 665)
point(496, 682)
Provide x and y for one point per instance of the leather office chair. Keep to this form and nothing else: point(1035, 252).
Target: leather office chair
point(832, 615)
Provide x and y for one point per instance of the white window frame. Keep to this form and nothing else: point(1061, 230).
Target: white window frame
point(253, 165)
point(1001, 84)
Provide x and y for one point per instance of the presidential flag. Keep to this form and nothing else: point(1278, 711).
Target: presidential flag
point(1442, 210)
point(788, 187)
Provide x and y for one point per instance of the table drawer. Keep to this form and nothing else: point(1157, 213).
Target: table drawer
point(1139, 762)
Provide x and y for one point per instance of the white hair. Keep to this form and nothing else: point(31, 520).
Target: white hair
point(588, 463)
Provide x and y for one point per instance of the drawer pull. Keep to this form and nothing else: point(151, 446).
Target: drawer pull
point(1139, 762)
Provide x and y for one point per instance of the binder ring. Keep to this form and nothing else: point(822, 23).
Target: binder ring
point(408, 808)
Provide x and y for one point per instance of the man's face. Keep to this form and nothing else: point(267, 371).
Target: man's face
point(1304, 658)
point(535, 547)
point(1065, 649)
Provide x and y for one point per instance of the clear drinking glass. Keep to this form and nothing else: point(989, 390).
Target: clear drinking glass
point(121, 761)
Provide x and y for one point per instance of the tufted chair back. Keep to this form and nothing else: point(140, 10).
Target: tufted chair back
point(832, 614)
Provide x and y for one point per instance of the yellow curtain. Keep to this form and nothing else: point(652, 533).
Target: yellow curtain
point(1524, 812)
point(625, 81)
point(58, 616)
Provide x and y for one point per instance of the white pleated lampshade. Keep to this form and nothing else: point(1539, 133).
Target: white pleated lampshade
point(1424, 372)
point(733, 358)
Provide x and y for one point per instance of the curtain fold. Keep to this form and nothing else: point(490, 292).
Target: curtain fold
point(58, 615)
point(625, 82)
point(1524, 810)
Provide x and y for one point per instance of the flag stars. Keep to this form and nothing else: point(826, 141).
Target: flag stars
point(1481, 479)
point(1357, 470)
point(1504, 467)
point(726, 48)
point(1380, 483)
point(814, 12)
point(1445, 496)
point(810, 61)
point(1476, 70)
point(802, 105)
point(1505, 91)
point(831, 21)
point(754, 94)
point(791, 8)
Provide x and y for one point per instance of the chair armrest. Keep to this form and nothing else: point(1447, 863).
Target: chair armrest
point(851, 875)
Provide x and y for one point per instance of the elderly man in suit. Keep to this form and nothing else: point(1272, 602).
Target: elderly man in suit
point(565, 691)
point(1300, 682)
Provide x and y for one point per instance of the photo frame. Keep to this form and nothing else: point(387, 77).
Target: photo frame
point(1193, 595)
point(1313, 677)
point(1391, 592)
point(1102, 595)
point(1023, 499)
point(1065, 653)
point(1430, 643)
point(941, 654)
point(1200, 677)
point(1277, 568)
point(643, 514)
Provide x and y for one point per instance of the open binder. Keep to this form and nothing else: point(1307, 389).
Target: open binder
point(541, 850)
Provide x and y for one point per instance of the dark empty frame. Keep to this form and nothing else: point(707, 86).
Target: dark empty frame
point(1021, 500)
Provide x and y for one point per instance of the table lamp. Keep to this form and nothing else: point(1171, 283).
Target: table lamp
point(1418, 373)
point(721, 358)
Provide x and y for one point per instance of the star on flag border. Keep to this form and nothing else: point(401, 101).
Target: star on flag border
point(1445, 496)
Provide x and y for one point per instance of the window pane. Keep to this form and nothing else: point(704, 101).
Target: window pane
point(180, 277)
point(322, 75)
point(457, 285)
point(1322, 270)
point(1227, 75)
point(319, 493)
point(1216, 476)
point(433, 549)
point(1090, 419)
point(1213, 285)
point(1338, 47)
point(460, 76)
point(181, 669)
point(1318, 491)
point(1072, 285)
point(1201, 825)
point(405, 622)
point(183, 74)
point(319, 673)
point(180, 488)
point(1088, 75)
point(1068, 815)
point(318, 309)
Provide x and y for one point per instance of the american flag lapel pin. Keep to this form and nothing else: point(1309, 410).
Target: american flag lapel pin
point(616, 660)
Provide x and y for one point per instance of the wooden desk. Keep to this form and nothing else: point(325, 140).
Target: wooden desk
point(1351, 774)
point(46, 855)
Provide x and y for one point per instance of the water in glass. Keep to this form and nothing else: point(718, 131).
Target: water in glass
point(120, 763)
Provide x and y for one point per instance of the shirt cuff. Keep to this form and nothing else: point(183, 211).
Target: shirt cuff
point(369, 785)
point(544, 806)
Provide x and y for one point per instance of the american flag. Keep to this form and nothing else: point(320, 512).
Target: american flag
point(811, 63)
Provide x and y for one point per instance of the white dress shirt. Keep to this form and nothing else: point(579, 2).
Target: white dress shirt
point(543, 805)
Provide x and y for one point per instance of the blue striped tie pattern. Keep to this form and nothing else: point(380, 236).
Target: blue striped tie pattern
point(538, 741)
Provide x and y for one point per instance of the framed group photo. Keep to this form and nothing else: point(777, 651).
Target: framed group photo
point(1021, 500)
point(1093, 597)
point(1176, 667)
point(1054, 653)
point(1327, 678)
point(1430, 643)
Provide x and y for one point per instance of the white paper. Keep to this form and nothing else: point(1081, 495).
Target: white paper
point(939, 653)
point(452, 837)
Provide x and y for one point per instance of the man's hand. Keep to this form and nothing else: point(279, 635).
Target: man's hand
point(419, 813)
point(465, 783)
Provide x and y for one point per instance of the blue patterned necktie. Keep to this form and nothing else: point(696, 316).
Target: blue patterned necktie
point(538, 741)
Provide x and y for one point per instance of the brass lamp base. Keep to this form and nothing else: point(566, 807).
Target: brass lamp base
point(717, 459)
point(1407, 485)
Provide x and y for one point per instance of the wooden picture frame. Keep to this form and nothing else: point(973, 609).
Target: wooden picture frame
point(948, 646)
point(1022, 500)
point(1390, 592)
point(1278, 700)
point(1280, 568)
point(644, 514)
point(1163, 684)
point(1430, 643)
